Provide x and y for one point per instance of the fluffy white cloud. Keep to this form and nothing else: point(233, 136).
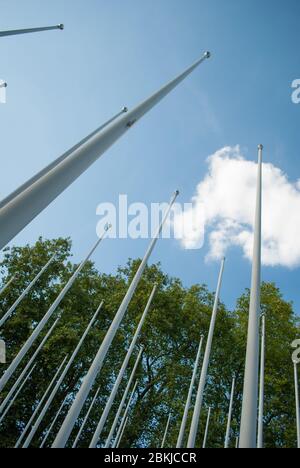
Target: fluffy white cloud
point(227, 197)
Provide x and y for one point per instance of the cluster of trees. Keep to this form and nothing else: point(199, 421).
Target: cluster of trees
point(170, 337)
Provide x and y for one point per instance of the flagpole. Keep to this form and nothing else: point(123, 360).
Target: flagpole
point(60, 380)
point(19, 209)
point(53, 422)
point(166, 432)
point(28, 365)
point(248, 435)
point(206, 428)
point(122, 433)
point(96, 367)
point(260, 438)
point(7, 285)
point(86, 419)
point(125, 416)
point(18, 359)
point(189, 397)
point(227, 438)
point(116, 420)
point(9, 313)
point(121, 374)
point(39, 406)
point(16, 32)
point(17, 394)
point(202, 383)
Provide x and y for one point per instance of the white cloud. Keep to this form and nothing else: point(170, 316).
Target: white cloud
point(228, 194)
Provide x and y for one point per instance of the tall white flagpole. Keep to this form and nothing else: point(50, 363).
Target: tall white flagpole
point(17, 394)
point(16, 32)
point(39, 406)
point(189, 397)
point(227, 437)
point(122, 433)
point(7, 285)
point(53, 422)
point(28, 365)
point(21, 207)
point(166, 431)
point(18, 359)
point(248, 435)
point(205, 365)
point(121, 374)
point(206, 429)
point(125, 416)
point(260, 437)
point(96, 366)
point(116, 420)
point(11, 310)
point(86, 419)
point(60, 380)
point(297, 403)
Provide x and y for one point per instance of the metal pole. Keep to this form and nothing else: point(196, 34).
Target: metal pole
point(39, 406)
point(125, 416)
point(166, 431)
point(260, 438)
point(3, 85)
point(206, 429)
point(86, 419)
point(16, 32)
point(248, 435)
point(189, 398)
point(203, 377)
point(60, 380)
point(297, 404)
point(53, 422)
point(16, 362)
point(115, 423)
point(121, 374)
point(7, 285)
point(237, 441)
point(58, 161)
point(122, 433)
point(20, 208)
point(227, 437)
point(95, 368)
point(16, 394)
point(27, 290)
point(24, 372)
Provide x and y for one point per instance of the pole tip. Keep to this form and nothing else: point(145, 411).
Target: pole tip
point(124, 109)
point(207, 55)
point(260, 147)
point(177, 193)
point(61, 26)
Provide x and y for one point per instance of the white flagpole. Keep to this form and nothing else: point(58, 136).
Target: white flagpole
point(7, 285)
point(28, 365)
point(39, 406)
point(116, 420)
point(125, 416)
point(260, 438)
point(20, 208)
point(122, 433)
point(297, 403)
point(17, 394)
point(189, 397)
point(16, 32)
point(60, 380)
point(53, 422)
point(86, 419)
point(206, 429)
point(121, 374)
point(248, 435)
point(205, 365)
point(227, 438)
point(166, 432)
point(18, 359)
point(9, 313)
point(96, 367)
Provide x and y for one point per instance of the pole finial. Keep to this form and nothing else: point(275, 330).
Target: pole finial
point(61, 26)
point(124, 109)
point(207, 54)
point(260, 147)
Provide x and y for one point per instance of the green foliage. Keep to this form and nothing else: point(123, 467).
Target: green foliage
point(170, 336)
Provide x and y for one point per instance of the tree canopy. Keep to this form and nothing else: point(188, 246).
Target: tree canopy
point(170, 337)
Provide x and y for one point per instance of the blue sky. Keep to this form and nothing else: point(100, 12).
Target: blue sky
point(63, 85)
